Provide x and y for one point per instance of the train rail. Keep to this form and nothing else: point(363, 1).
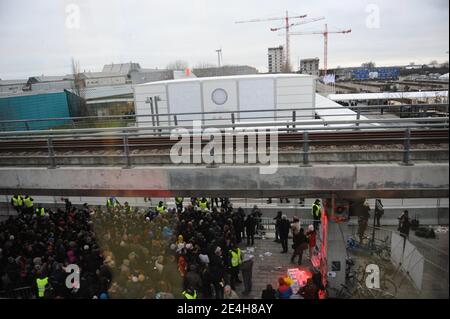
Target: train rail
point(425, 136)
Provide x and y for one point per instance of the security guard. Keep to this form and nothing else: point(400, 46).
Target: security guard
point(179, 203)
point(161, 208)
point(235, 262)
point(40, 211)
point(111, 203)
point(127, 207)
point(190, 293)
point(317, 214)
point(28, 203)
point(42, 285)
point(17, 202)
point(203, 204)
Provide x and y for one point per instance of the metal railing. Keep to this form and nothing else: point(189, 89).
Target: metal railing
point(434, 256)
point(231, 117)
point(48, 143)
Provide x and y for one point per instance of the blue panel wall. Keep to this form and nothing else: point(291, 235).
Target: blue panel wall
point(37, 106)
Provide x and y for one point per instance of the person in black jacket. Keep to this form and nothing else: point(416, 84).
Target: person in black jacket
point(250, 229)
point(217, 269)
point(284, 228)
point(300, 244)
point(269, 293)
point(277, 220)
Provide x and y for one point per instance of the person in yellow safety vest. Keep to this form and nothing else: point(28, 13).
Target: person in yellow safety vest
point(112, 202)
point(127, 207)
point(190, 293)
point(17, 202)
point(203, 204)
point(235, 262)
point(40, 211)
point(28, 203)
point(41, 284)
point(179, 203)
point(161, 208)
point(317, 214)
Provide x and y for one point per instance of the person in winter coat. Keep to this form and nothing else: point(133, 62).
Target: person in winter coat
point(247, 270)
point(300, 244)
point(284, 233)
point(277, 220)
point(284, 290)
point(269, 293)
point(250, 229)
point(311, 235)
point(217, 269)
point(229, 293)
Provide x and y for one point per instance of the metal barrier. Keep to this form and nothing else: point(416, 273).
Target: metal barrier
point(435, 257)
point(168, 119)
point(269, 223)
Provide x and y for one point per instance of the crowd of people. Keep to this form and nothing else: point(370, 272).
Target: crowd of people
point(188, 251)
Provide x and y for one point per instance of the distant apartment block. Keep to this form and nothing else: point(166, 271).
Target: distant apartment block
point(276, 59)
point(310, 66)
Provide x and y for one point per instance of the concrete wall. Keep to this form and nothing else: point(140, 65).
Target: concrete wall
point(346, 181)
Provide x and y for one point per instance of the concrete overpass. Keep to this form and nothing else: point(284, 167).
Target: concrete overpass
point(422, 180)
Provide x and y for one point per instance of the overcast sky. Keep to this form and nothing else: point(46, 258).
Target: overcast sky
point(41, 36)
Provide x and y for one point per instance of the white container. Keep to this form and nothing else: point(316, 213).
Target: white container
point(270, 92)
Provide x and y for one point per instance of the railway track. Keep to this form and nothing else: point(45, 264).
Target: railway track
point(320, 138)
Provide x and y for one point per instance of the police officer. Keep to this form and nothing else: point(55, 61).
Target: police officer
point(235, 262)
point(161, 208)
point(204, 204)
point(111, 203)
point(28, 204)
point(17, 202)
point(127, 207)
point(179, 203)
point(40, 211)
point(316, 214)
point(42, 285)
point(189, 293)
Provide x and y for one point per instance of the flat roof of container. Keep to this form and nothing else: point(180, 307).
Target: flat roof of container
point(387, 95)
point(231, 77)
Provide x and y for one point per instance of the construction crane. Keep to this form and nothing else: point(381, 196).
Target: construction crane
point(287, 19)
point(325, 34)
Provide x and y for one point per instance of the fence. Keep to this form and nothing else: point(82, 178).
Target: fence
point(51, 145)
point(213, 118)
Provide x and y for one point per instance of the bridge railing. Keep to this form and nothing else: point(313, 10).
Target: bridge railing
point(303, 134)
point(219, 117)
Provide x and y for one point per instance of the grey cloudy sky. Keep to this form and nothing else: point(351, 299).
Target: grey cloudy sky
point(41, 36)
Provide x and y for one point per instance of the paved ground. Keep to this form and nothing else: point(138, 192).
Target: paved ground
point(267, 269)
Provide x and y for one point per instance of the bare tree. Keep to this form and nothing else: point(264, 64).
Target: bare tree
point(368, 65)
point(434, 63)
point(78, 85)
point(177, 65)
